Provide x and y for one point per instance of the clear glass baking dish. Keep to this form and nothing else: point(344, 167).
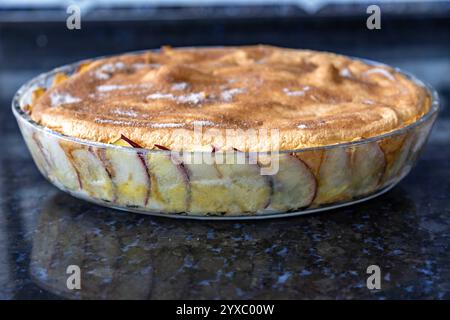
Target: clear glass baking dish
point(159, 182)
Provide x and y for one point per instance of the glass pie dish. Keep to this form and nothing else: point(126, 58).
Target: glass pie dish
point(161, 182)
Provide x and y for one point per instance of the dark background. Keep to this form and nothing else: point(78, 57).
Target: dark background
point(413, 244)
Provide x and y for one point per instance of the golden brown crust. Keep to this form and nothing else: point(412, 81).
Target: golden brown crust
point(311, 98)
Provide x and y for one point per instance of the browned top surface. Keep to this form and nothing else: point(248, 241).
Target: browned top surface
point(312, 98)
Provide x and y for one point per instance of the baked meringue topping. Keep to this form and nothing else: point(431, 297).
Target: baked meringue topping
point(158, 97)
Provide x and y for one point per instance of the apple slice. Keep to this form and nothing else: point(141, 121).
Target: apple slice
point(368, 165)
point(208, 190)
point(128, 172)
point(335, 176)
point(222, 185)
point(396, 150)
point(248, 190)
point(61, 170)
point(401, 165)
point(312, 159)
point(170, 183)
point(94, 177)
point(34, 145)
point(419, 137)
point(293, 186)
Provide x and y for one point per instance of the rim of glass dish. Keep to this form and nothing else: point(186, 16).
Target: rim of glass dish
point(70, 68)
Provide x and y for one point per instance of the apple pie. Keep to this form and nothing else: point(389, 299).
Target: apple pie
point(327, 129)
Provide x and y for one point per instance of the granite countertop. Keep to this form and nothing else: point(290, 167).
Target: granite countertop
point(122, 255)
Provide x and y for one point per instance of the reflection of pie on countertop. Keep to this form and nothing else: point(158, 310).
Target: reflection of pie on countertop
point(154, 100)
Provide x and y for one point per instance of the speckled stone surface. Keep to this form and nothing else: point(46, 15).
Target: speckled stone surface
point(121, 255)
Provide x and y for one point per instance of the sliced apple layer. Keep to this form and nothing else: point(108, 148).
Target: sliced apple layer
point(419, 138)
point(61, 169)
point(208, 191)
point(225, 183)
point(94, 177)
point(293, 186)
point(248, 190)
point(228, 183)
point(335, 176)
point(129, 174)
point(368, 165)
point(396, 150)
point(34, 145)
point(170, 183)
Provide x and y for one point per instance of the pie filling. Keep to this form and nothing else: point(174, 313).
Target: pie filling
point(223, 101)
